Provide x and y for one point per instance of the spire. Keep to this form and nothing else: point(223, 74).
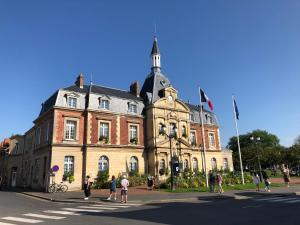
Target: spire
point(155, 55)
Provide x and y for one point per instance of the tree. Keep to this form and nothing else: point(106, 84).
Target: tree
point(297, 140)
point(268, 148)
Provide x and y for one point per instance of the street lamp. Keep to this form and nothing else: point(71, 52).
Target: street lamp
point(257, 140)
point(171, 135)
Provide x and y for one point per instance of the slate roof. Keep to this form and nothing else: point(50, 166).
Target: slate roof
point(50, 102)
point(155, 49)
point(155, 82)
point(196, 108)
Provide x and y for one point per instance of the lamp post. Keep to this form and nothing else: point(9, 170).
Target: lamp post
point(171, 135)
point(257, 140)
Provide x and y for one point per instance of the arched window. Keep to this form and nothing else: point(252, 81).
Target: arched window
point(195, 164)
point(133, 165)
point(214, 163)
point(185, 164)
point(225, 164)
point(103, 164)
point(69, 164)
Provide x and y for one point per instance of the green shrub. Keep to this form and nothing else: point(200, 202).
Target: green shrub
point(101, 180)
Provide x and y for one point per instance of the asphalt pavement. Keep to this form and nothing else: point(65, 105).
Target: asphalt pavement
point(252, 208)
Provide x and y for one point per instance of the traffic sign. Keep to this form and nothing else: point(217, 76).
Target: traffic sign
point(55, 168)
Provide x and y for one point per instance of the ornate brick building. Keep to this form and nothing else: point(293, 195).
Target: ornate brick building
point(85, 129)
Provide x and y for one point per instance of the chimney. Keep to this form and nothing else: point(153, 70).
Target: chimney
point(135, 89)
point(79, 81)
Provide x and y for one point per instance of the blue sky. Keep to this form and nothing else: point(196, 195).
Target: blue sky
point(247, 48)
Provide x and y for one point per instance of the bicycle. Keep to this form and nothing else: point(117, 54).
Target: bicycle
point(55, 187)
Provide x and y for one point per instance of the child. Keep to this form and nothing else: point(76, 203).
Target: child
point(267, 184)
point(113, 186)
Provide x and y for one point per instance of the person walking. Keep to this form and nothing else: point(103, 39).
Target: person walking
point(150, 182)
point(219, 180)
point(286, 177)
point(113, 187)
point(124, 189)
point(87, 187)
point(266, 181)
point(256, 180)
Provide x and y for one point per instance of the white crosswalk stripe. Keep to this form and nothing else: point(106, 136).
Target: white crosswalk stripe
point(119, 206)
point(82, 210)
point(282, 199)
point(293, 201)
point(1, 223)
point(44, 216)
point(129, 204)
point(20, 219)
point(61, 212)
point(267, 199)
point(97, 207)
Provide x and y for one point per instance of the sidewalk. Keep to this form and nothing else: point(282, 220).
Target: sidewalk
point(142, 195)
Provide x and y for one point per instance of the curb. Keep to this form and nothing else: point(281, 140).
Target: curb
point(135, 201)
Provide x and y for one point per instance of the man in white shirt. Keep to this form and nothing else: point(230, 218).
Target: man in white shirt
point(124, 189)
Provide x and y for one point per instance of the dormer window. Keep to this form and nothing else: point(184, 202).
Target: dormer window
point(72, 102)
point(192, 118)
point(132, 108)
point(208, 119)
point(104, 104)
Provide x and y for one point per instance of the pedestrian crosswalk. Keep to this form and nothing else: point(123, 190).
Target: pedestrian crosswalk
point(278, 199)
point(62, 213)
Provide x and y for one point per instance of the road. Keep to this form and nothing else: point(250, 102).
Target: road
point(17, 209)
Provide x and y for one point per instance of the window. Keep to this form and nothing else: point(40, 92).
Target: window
point(69, 164)
point(195, 164)
point(225, 164)
point(36, 170)
point(104, 131)
point(17, 148)
point(185, 164)
point(37, 136)
point(133, 134)
point(183, 131)
point(211, 138)
point(173, 129)
point(192, 118)
point(208, 119)
point(47, 131)
point(132, 108)
point(72, 102)
point(161, 128)
point(162, 164)
point(133, 165)
point(104, 104)
point(193, 138)
point(103, 164)
point(70, 133)
point(214, 164)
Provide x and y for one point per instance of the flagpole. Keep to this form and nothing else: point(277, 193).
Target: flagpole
point(238, 140)
point(203, 139)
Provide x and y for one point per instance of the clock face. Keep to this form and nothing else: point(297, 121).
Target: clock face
point(170, 98)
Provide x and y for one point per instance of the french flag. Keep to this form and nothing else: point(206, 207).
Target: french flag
point(204, 98)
